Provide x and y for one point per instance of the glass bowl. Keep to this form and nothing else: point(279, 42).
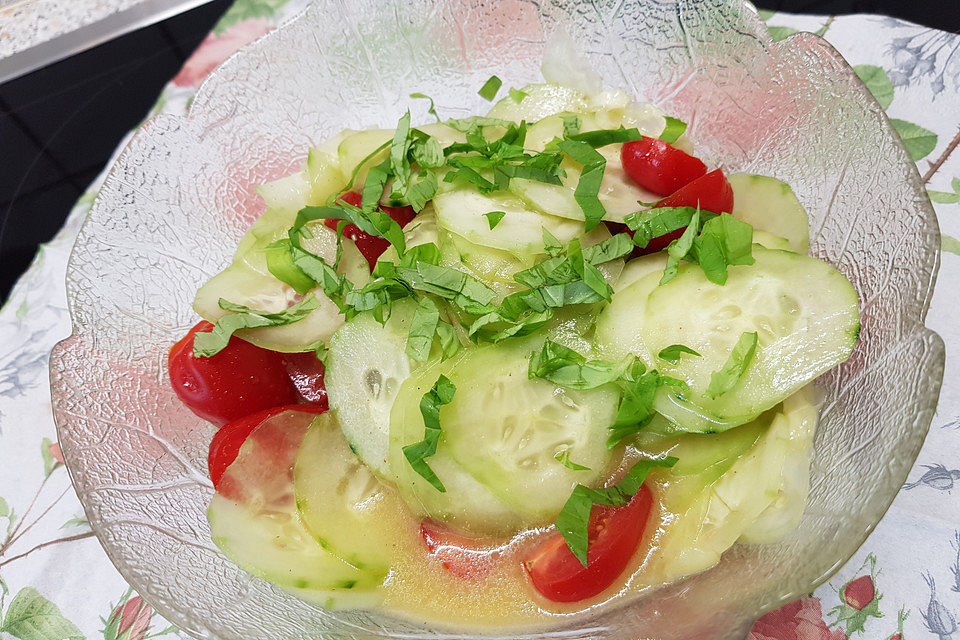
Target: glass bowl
point(181, 195)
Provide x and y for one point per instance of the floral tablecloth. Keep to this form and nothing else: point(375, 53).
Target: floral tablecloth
point(57, 584)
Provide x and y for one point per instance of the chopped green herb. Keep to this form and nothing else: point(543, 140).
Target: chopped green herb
point(587, 272)
point(588, 188)
point(727, 377)
point(654, 223)
point(603, 137)
point(518, 95)
point(574, 519)
point(490, 88)
point(494, 218)
point(673, 130)
point(551, 246)
point(208, 343)
point(462, 289)
point(565, 367)
point(427, 151)
point(674, 351)
point(422, 329)
point(638, 389)
point(370, 156)
point(679, 248)
point(723, 241)
point(431, 109)
point(563, 457)
point(280, 264)
point(416, 454)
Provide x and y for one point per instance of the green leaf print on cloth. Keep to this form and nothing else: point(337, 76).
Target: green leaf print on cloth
point(877, 81)
point(918, 141)
point(33, 617)
point(246, 9)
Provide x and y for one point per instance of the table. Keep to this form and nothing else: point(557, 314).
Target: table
point(56, 583)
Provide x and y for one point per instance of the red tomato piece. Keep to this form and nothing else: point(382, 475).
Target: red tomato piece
point(239, 380)
point(658, 166)
point(372, 247)
point(306, 374)
point(227, 441)
point(460, 555)
point(614, 535)
point(711, 192)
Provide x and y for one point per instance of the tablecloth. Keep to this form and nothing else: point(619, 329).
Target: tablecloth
point(56, 583)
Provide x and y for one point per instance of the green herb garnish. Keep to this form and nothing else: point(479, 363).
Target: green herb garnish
point(208, 343)
point(563, 457)
point(727, 377)
point(565, 367)
point(574, 519)
point(518, 95)
point(588, 187)
point(494, 218)
point(673, 130)
point(490, 88)
point(416, 454)
point(431, 109)
point(674, 351)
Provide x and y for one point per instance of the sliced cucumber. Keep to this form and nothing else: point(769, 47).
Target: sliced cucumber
point(466, 505)
point(750, 501)
point(365, 367)
point(619, 194)
point(520, 231)
point(804, 311)
point(357, 147)
point(541, 100)
point(639, 267)
point(324, 173)
point(769, 241)
point(618, 333)
point(341, 503)
point(241, 283)
point(260, 529)
point(494, 267)
point(506, 430)
point(770, 205)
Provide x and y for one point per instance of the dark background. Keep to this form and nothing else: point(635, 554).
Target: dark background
point(59, 125)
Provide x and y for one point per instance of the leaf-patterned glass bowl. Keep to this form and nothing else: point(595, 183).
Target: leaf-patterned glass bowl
point(181, 195)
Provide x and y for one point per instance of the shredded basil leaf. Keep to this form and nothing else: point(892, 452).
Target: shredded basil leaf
point(679, 248)
point(416, 454)
point(723, 241)
point(727, 377)
point(431, 109)
point(565, 367)
point(588, 187)
point(490, 88)
point(494, 218)
point(674, 351)
point(518, 95)
point(422, 329)
point(280, 263)
point(563, 457)
point(657, 222)
point(673, 130)
point(603, 137)
point(635, 411)
point(573, 523)
point(208, 343)
point(587, 272)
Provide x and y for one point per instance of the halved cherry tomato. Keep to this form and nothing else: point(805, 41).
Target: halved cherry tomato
point(614, 535)
point(227, 441)
point(372, 247)
point(658, 166)
point(711, 192)
point(239, 380)
point(459, 555)
point(306, 374)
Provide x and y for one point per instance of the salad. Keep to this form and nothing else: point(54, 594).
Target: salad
point(504, 368)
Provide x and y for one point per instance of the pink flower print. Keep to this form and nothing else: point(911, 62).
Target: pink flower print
point(134, 620)
point(216, 48)
point(800, 620)
point(55, 452)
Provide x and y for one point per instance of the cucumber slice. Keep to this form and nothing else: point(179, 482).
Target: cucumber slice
point(356, 147)
point(466, 505)
point(506, 429)
point(323, 171)
point(805, 313)
point(541, 100)
point(640, 267)
point(261, 530)
point(619, 194)
point(520, 231)
point(770, 205)
point(749, 502)
point(365, 367)
point(242, 284)
point(769, 241)
point(494, 267)
point(341, 503)
point(618, 333)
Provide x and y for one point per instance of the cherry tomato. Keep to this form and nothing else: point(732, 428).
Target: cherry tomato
point(239, 380)
point(658, 166)
point(227, 441)
point(614, 535)
point(306, 374)
point(711, 192)
point(458, 554)
point(372, 247)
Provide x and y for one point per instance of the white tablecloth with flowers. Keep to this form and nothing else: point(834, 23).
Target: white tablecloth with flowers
point(57, 584)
